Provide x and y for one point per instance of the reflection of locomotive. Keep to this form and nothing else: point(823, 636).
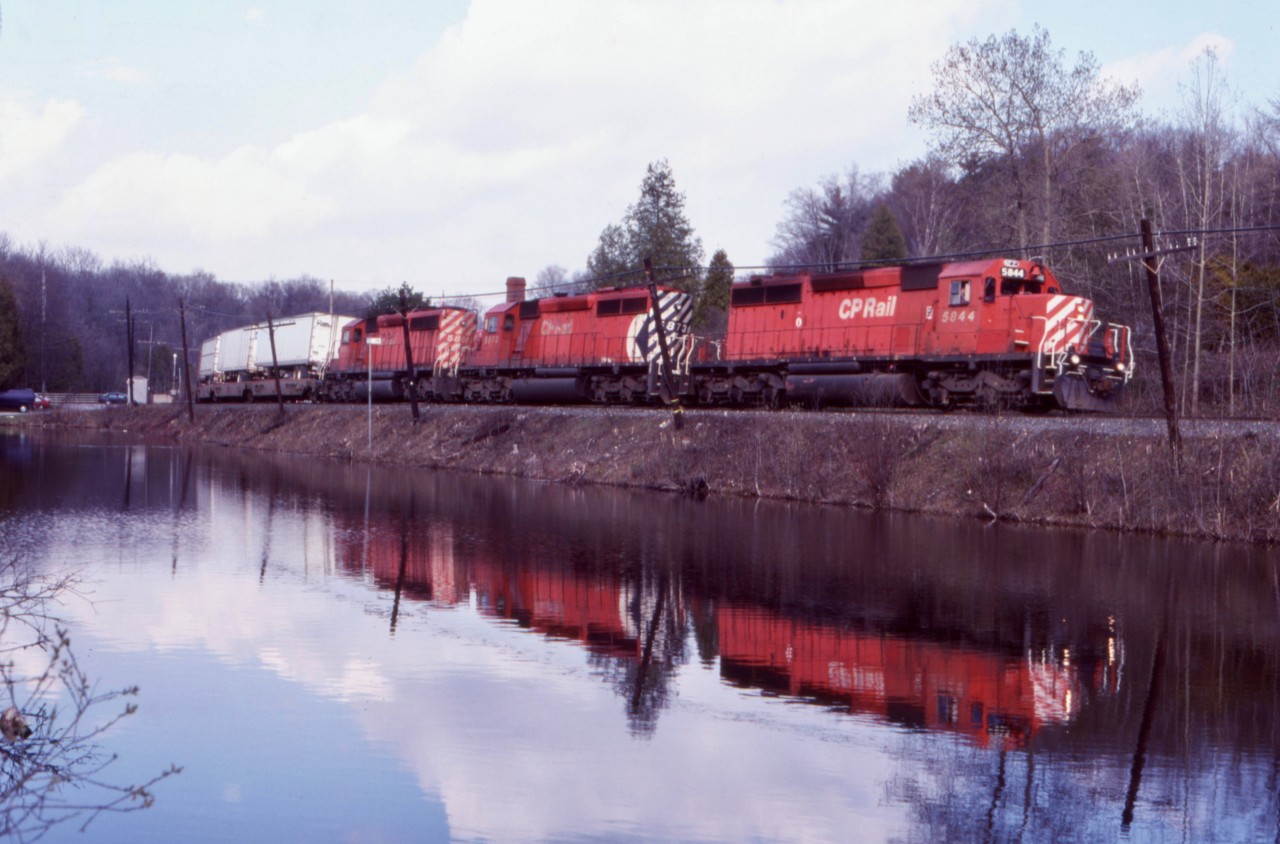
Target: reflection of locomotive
point(991, 333)
point(918, 683)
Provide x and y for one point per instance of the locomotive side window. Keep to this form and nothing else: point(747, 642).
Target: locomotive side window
point(635, 306)
point(959, 293)
point(609, 307)
point(425, 323)
point(357, 336)
point(491, 325)
point(989, 290)
point(508, 322)
point(346, 336)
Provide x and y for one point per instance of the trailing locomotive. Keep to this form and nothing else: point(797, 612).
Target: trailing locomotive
point(989, 333)
point(600, 346)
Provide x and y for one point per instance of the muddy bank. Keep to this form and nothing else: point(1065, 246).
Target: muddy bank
point(1227, 487)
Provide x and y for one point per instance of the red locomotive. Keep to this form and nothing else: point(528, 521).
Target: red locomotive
point(600, 346)
point(998, 332)
point(991, 333)
point(372, 352)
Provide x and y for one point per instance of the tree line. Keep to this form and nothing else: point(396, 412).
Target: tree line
point(1030, 153)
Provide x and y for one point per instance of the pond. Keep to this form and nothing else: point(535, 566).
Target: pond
point(336, 652)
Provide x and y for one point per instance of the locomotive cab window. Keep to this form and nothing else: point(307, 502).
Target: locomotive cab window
point(959, 293)
point(491, 325)
point(989, 290)
point(346, 336)
point(356, 336)
point(508, 322)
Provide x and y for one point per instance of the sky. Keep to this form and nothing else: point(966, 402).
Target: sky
point(451, 144)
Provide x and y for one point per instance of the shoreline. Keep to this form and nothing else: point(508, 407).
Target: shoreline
point(1006, 468)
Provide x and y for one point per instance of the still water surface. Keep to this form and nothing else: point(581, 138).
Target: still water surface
point(338, 653)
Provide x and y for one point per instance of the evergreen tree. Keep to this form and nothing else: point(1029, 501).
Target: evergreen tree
point(387, 301)
point(883, 242)
point(712, 310)
point(611, 258)
point(655, 227)
point(13, 354)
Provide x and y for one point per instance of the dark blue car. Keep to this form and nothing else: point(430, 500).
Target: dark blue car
point(20, 400)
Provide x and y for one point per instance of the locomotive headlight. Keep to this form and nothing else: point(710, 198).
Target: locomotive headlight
point(1120, 367)
point(1075, 360)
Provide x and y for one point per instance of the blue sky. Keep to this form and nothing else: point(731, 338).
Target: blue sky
point(451, 144)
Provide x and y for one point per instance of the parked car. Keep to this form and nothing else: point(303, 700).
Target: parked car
point(42, 402)
point(20, 400)
point(113, 398)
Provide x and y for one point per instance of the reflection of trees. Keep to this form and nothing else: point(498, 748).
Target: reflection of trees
point(51, 769)
point(643, 679)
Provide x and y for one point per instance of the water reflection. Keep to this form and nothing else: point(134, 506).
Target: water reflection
point(1008, 677)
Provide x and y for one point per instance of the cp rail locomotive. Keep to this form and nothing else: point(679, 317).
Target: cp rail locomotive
point(988, 333)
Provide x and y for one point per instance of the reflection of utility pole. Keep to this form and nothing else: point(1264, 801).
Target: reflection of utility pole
point(1148, 712)
point(405, 521)
point(646, 654)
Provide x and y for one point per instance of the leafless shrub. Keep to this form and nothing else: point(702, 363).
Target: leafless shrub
point(52, 771)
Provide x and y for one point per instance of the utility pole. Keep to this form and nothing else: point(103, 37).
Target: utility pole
point(275, 363)
point(669, 387)
point(412, 385)
point(128, 322)
point(44, 314)
point(1148, 257)
point(186, 365)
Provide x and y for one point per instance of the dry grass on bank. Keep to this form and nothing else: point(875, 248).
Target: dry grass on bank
point(990, 467)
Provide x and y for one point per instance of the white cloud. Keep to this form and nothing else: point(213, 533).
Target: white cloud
point(1159, 72)
point(28, 136)
point(241, 199)
point(526, 129)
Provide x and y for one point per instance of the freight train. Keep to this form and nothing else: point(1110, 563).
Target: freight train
point(987, 333)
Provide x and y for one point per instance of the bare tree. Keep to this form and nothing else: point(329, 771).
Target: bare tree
point(1012, 99)
point(1202, 170)
point(926, 203)
point(824, 225)
point(52, 770)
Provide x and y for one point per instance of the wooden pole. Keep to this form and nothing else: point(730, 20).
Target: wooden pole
point(128, 321)
point(412, 386)
point(668, 382)
point(186, 363)
point(1162, 342)
point(275, 362)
